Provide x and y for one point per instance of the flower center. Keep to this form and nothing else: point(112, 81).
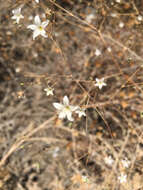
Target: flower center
point(67, 108)
point(40, 28)
point(18, 14)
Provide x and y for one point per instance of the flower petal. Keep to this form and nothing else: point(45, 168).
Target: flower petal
point(32, 27)
point(13, 11)
point(66, 100)
point(69, 116)
point(18, 10)
point(43, 33)
point(17, 20)
point(58, 106)
point(37, 20)
point(44, 24)
point(35, 34)
point(74, 108)
point(14, 17)
point(62, 115)
point(97, 80)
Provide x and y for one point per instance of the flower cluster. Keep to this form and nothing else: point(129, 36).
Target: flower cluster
point(38, 27)
point(65, 110)
point(125, 164)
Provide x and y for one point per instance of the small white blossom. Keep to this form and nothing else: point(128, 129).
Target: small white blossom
point(109, 49)
point(17, 69)
point(30, 17)
point(89, 18)
point(118, 1)
point(113, 14)
point(56, 34)
point(43, 15)
point(56, 152)
point(125, 162)
point(65, 110)
point(109, 160)
point(37, 1)
point(122, 178)
point(121, 24)
point(38, 27)
point(49, 91)
point(97, 52)
point(85, 179)
point(17, 15)
point(100, 83)
point(80, 111)
point(139, 18)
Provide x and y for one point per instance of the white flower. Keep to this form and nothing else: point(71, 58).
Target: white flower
point(121, 24)
point(17, 15)
point(113, 14)
point(80, 111)
point(100, 83)
point(139, 18)
point(65, 109)
point(122, 178)
point(125, 162)
point(97, 52)
point(84, 179)
point(30, 17)
point(109, 160)
point(118, 1)
point(37, 1)
point(38, 27)
point(43, 15)
point(90, 17)
point(49, 91)
point(109, 49)
point(56, 152)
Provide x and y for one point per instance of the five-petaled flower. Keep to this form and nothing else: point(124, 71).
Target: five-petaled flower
point(49, 91)
point(109, 160)
point(100, 83)
point(38, 27)
point(97, 52)
point(125, 162)
point(17, 14)
point(65, 110)
point(80, 111)
point(122, 178)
